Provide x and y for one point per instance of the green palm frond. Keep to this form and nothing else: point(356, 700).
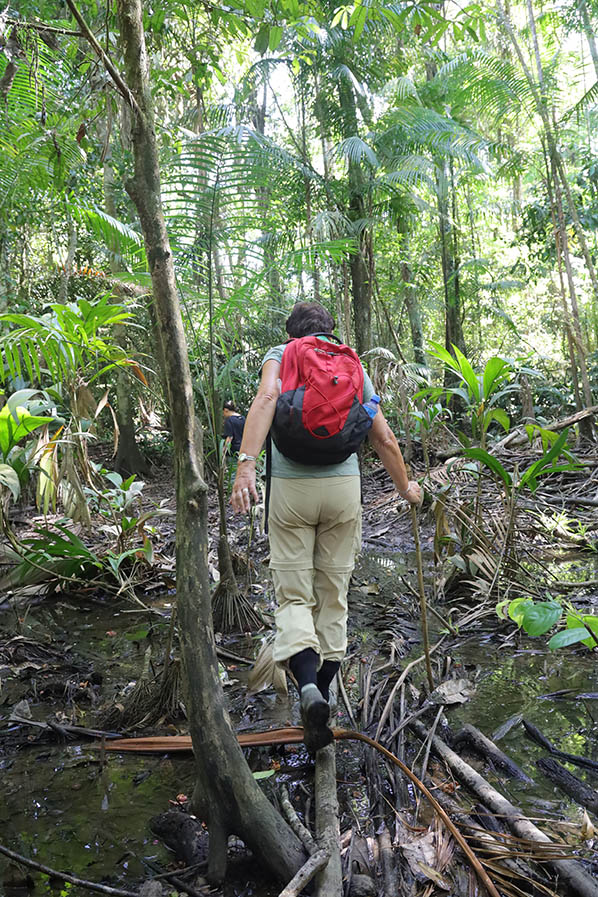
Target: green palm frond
point(418, 129)
point(404, 88)
point(590, 98)
point(488, 83)
point(355, 150)
point(65, 341)
point(407, 171)
point(38, 148)
point(122, 242)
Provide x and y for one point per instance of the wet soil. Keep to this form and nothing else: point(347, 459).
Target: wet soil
point(66, 807)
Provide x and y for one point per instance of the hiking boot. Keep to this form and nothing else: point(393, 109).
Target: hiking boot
point(315, 712)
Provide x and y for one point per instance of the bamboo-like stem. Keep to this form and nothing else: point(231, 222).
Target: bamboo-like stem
point(422, 596)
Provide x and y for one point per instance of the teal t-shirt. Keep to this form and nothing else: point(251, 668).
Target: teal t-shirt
point(284, 467)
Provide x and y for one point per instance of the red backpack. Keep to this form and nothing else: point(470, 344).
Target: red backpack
point(319, 417)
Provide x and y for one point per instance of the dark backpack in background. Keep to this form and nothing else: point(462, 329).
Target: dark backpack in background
point(319, 417)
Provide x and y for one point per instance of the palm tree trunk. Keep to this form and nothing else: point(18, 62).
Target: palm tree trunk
point(226, 793)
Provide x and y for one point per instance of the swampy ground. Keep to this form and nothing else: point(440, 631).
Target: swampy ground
point(76, 659)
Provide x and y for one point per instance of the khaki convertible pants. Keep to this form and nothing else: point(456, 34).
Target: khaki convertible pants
point(315, 532)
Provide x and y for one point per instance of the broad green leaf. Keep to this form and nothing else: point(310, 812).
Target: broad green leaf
point(494, 373)
point(515, 609)
point(438, 351)
point(358, 20)
point(590, 621)
point(263, 774)
point(567, 637)
point(468, 374)
point(275, 38)
point(15, 424)
point(262, 40)
point(501, 417)
point(540, 616)
point(540, 466)
point(10, 479)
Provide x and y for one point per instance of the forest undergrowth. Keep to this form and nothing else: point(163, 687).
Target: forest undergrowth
point(484, 562)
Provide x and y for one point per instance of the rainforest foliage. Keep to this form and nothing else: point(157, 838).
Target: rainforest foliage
point(174, 176)
point(429, 173)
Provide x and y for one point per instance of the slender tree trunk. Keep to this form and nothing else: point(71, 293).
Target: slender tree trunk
point(410, 294)
point(450, 272)
point(129, 458)
point(307, 187)
point(5, 274)
point(556, 176)
point(361, 292)
point(70, 258)
point(275, 284)
point(589, 32)
point(226, 793)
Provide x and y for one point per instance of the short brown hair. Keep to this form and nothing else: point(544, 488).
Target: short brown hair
point(307, 318)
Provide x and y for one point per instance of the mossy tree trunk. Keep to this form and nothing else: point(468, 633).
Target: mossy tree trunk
point(226, 793)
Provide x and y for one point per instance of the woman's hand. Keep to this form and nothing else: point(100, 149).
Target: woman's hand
point(413, 493)
point(244, 488)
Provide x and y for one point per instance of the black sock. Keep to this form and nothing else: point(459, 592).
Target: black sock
point(304, 666)
point(326, 674)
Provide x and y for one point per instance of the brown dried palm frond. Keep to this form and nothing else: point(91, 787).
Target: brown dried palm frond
point(266, 672)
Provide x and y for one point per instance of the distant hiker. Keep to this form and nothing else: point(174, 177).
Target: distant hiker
point(318, 391)
point(232, 428)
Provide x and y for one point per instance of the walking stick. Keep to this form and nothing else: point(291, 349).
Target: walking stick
point(422, 595)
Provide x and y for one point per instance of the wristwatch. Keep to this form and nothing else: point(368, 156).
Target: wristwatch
point(243, 456)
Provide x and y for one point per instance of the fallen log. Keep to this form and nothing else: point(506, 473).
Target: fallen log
point(294, 735)
point(569, 871)
point(64, 876)
point(183, 834)
point(482, 745)
point(329, 880)
point(570, 784)
point(541, 739)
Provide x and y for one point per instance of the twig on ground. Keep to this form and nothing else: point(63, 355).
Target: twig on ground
point(298, 827)
point(64, 876)
point(313, 865)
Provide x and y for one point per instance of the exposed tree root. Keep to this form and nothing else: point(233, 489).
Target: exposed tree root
point(232, 610)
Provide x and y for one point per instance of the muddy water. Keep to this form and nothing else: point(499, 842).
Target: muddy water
point(60, 806)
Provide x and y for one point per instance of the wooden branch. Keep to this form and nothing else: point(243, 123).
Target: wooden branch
point(570, 784)
point(387, 861)
point(475, 739)
point(40, 26)
point(314, 864)
point(329, 882)
point(569, 871)
point(89, 885)
point(303, 833)
point(105, 59)
point(534, 733)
